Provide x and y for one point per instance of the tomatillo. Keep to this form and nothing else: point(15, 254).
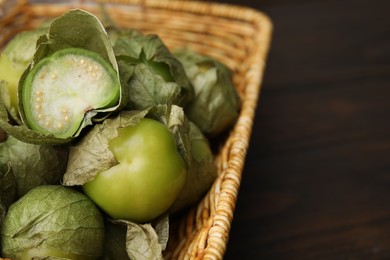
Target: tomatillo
point(13, 61)
point(63, 87)
point(148, 178)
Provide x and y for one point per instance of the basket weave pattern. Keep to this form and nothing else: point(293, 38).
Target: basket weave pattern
point(237, 36)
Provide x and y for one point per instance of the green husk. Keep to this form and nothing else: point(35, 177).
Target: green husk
point(216, 104)
point(53, 218)
point(150, 73)
point(7, 190)
point(33, 165)
point(129, 240)
point(145, 241)
point(92, 155)
point(200, 175)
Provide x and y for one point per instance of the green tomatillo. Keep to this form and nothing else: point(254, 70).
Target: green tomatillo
point(131, 166)
point(216, 105)
point(53, 222)
point(148, 177)
point(61, 88)
point(13, 61)
point(151, 75)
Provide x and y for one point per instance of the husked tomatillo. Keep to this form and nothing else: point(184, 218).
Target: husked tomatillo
point(148, 177)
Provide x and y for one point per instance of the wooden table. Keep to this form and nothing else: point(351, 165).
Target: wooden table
point(316, 184)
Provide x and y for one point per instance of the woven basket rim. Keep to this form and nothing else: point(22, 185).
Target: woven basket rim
point(207, 238)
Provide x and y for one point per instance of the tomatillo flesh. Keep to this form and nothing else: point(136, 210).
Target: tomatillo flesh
point(63, 87)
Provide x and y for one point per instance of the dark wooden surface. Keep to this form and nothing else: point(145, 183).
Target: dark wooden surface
point(316, 183)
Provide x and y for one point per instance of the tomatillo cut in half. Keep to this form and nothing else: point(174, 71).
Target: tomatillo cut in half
point(61, 88)
point(148, 178)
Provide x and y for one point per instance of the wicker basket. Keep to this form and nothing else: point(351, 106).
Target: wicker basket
point(238, 37)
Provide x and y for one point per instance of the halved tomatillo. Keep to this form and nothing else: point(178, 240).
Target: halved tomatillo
point(62, 88)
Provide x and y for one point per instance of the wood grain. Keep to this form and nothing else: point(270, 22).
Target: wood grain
point(316, 183)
